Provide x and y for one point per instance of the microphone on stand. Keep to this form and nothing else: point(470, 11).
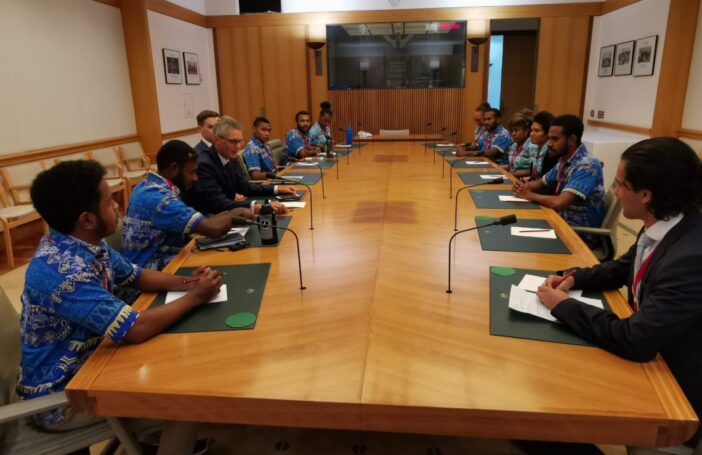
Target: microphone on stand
point(240, 221)
point(503, 221)
point(330, 152)
point(443, 154)
point(348, 153)
point(309, 191)
point(451, 165)
point(495, 181)
point(321, 176)
point(440, 131)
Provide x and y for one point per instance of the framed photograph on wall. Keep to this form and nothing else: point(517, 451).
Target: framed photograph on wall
point(606, 61)
point(645, 57)
point(623, 58)
point(192, 68)
point(171, 66)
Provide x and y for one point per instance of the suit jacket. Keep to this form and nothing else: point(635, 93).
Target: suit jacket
point(217, 184)
point(200, 147)
point(669, 319)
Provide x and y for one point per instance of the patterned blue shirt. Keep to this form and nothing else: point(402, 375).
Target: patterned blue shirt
point(67, 309)
point(479, 131)
point(258, 156)
point(295, 142)
point(498, 139)
point(519, 158)
point(318, 135)
point(156, 223)
point(582, 176)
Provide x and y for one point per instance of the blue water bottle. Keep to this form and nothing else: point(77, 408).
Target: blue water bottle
point(349, 135)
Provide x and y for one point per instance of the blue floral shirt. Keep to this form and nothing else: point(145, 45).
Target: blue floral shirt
point(258, 156)
point(519, 156)
point(582, 176)
point(498, 139)
point(67, 309)
point(479, 131)
point(295, 142)
point(318, 135)
point(156, 223)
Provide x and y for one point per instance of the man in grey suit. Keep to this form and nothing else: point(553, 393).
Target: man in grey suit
point(659, 181)
point(205, 123)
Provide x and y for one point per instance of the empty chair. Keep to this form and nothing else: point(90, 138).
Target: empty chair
point(277, 150)
point(136, 163)
point(115, 173)
point(11, 217)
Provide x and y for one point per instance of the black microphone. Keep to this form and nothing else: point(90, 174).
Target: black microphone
point(502, 221)
point(240, 221)
point(330, 152)
point(443, 154)
point(434, 160)
point(451, 165)
point(309, 191)
point(321, 176)
point(495, 181)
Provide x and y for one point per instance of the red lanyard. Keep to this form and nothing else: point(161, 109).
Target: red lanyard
point(305, 138)
point(638, 277)
point(516, 154)
point(488, 140)
point(561, 176)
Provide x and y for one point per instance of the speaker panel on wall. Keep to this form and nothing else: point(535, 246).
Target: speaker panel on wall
point(258, 6)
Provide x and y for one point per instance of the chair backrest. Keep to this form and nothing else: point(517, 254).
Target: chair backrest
point(108, 157)
point(132, 155)
point(10, 347)
point(19, 177)
point(612, 208)
point(276, 150)
point(394, 132)
point(72, 157)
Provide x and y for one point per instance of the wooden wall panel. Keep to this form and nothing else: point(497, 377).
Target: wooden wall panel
point(240, 73)
point(474, 93)
point(398, 109)
point(562, 62)
point(284, 75)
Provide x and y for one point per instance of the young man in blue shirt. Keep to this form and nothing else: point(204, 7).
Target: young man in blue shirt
point(68, 307)
point(257, 154)
point(298, 142)
point(493, 142)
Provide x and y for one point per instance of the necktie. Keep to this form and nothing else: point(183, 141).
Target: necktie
point(643, 256)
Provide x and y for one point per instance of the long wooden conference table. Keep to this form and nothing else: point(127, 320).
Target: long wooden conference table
point(375, 343)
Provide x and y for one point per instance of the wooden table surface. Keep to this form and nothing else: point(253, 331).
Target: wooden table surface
point(375, 342)
point(400, 138)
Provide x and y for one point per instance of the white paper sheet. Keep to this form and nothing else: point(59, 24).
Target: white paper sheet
point(297, 178)
point(508, 198)
point(537, 233)
point(527, 302)
point(308, 164)
point(489, 176)
point(240, 230)
point(531, 283)
point(294, 204)
point(475, 162)
point(343, 146)
point(220, 297)
point(444, 145)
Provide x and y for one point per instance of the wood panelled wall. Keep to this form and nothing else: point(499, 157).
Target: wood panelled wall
point(396, 109)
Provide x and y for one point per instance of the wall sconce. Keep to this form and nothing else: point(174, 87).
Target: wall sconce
point(478, 33)
point(317, 47)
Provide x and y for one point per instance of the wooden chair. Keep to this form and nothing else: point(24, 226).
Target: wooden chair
point(116, 183)
point(11, 217)
point(135, 162)
point(115, 172)
point(20, 438)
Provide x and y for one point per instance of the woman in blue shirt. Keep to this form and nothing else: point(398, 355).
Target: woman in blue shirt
point(321, 131)
point(518, 153)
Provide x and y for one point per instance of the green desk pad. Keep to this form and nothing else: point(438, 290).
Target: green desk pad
point(462, 163)
point(498, 238)
point(272, 198)
point(245, 286)
point(254, 236)
point(307, 179)
point(473, 178)
point(509, 323)
point(324, 164)
point(489, 199)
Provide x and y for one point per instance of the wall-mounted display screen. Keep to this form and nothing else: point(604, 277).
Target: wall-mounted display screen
point(396, 55)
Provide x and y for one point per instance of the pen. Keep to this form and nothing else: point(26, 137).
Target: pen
point(565, 277)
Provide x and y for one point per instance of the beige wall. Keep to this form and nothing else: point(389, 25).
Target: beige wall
point(64, 76)
point(692, 116)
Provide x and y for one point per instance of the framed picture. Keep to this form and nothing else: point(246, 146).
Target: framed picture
point(171, 66)
point(623, 58)
point(192, 68)
point(645, 57)
point(606, 61)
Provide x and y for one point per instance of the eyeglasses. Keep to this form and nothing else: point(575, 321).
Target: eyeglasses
point(232, 142)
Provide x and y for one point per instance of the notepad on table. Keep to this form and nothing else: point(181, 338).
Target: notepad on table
point(528, 302)
point(295, 205)
point(220, 297)
point(538, 233)
point(508, 198)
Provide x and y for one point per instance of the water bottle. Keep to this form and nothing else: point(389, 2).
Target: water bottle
point(267, 224)
point(349, 135)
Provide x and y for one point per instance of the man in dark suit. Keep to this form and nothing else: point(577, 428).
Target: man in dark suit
point(220, 178)
point(659, 181)
point(205, 123)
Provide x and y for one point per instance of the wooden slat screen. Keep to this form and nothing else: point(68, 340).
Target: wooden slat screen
point(397, 109)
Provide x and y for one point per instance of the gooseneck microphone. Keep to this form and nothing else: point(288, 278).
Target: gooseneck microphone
point(321, 175)
point(503, 221)
point(434, 143)
point(443, 154)
point(495, 181)
point(240, 221)
point(452, 164)
point(348, 153)
point(309, 191)
point(330, 152)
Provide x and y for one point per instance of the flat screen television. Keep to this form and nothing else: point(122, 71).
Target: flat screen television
point(396, 55)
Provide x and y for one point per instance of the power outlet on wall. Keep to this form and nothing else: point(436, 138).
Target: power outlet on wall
point(600, 114)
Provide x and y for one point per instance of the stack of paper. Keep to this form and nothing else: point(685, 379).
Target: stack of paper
point(538, 233)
